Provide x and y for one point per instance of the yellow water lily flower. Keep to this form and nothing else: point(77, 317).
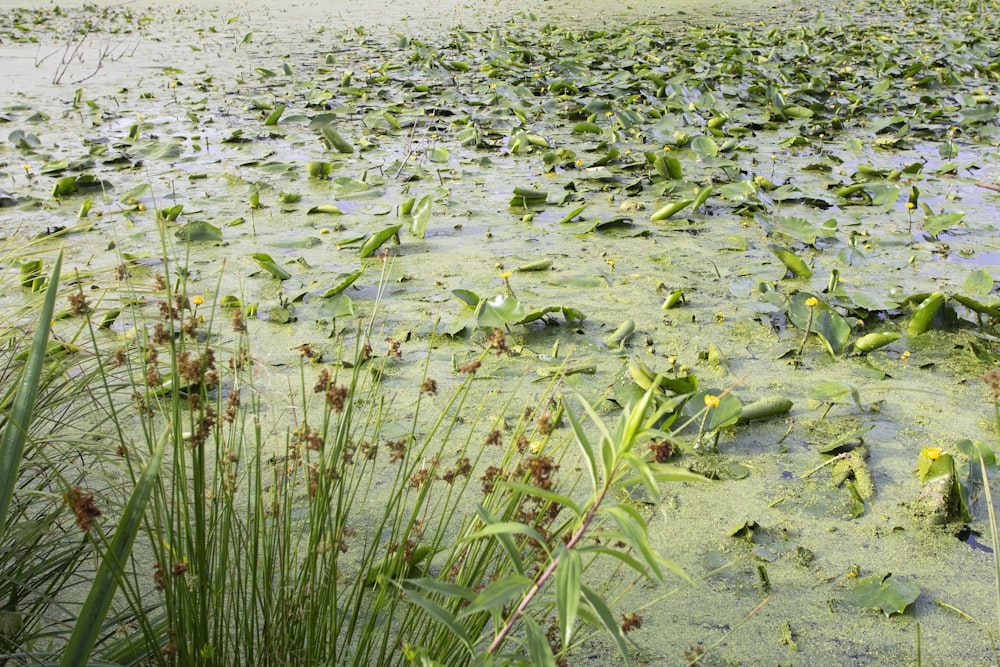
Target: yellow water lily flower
point(933, 453)
point(711, 401)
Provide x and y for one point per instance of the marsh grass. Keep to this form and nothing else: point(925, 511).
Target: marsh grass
point(45, 462)
point(342, 539)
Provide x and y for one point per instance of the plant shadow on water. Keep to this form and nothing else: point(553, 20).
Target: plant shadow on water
point(773, 239)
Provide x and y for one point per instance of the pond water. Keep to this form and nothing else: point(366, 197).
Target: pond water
point(169, 105)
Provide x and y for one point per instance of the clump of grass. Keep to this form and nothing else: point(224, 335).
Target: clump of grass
point(331, 531)
point(43, 489)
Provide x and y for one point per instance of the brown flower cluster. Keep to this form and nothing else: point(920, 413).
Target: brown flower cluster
point(397, 449)
point(309, 437)
point(662, 450)
point(197, 370)
point(83, 507)
point(336, 394)
point(537, 471)
point(631, 622)
point(463, 468)
point(239, 325)
point(78, 304)
point(544, 424)
point(178, 569)
point(497, 342)
point(993, 380)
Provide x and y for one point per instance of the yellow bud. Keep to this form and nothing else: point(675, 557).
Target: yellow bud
point(933, 453)
point(812, 302)
point(197, 300)
point(711, 401)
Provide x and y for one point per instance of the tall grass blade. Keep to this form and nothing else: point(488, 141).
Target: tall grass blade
point(993, 529)
point(102, 591)
point(15, 430)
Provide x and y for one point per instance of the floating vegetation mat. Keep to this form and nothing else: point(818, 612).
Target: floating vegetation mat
point(791, 219)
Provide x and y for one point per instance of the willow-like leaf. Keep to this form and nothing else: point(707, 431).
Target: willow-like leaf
point(569, 579)
point(586, 447)
point(608, 620)
point(498, 594)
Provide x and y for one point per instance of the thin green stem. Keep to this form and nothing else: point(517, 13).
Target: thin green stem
point(805, 335)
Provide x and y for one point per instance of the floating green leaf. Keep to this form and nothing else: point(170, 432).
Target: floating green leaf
point(267, 263)
point(199, 230)
point(376, 240)
point(421, 216)
point(338, 305)
point(469, 298)
point(670, 210)
point(925, 314)
point(319, 170)
point(329, 209)
point(335, 141)
point(833, 329)
point(978, 283)
point(500, 311)
point(792, 262)
point(528, 197)
point(345, 281)
point(889, 594)
point(935, 224)
point(272, 118)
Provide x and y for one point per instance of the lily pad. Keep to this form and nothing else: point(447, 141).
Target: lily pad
point(199, 230)
point(888, 594)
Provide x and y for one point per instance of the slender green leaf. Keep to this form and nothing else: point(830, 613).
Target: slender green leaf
point(378, 238)
point(345, 281)
point(444, 617)
point(633, 529)
point(644, 473)
point(538, 646)
point(112, 569)
point(588, 450)
point(421, 216)
point(608, 620)
point(507, 528)
point(551, 496)
point(569, 579)
point(267, 263)
point(506, 541)
point(443, 588)
point(15, 430)
point(498, 594)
